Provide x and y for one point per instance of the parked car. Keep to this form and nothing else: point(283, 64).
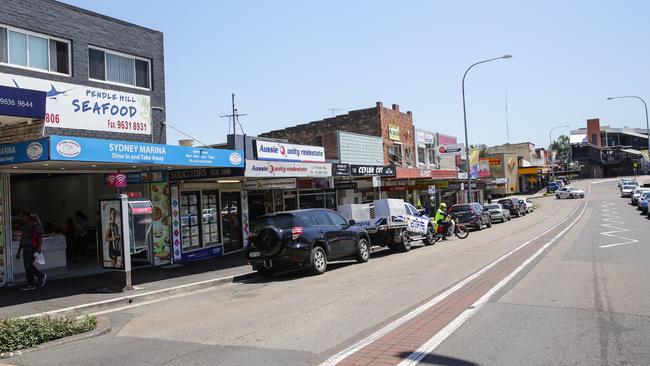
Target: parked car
point(621, 181)
point(498, 212)
point(528, 204)
point(628, 182)
point(569, 192)
point(552, 187)
point(304, 238)
point(513, 205)
point(643, 202)
point(471, 215)
point(637, 193)
point(627, 189)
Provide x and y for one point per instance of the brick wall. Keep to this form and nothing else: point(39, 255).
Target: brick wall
point(371, 121)
point(85, 28)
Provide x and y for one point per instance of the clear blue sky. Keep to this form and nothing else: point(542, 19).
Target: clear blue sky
point(290, 61)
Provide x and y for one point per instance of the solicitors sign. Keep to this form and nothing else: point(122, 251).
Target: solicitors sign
point(86, 108)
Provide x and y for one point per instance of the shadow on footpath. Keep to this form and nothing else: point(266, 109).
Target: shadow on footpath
point(433, 359)
point(94, 283)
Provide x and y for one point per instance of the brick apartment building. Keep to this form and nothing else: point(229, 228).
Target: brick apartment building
point(393, 126)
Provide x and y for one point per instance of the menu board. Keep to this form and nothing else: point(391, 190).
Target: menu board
point(161, 223)
point(2, 228)
point(210, 217)
point(190, 225)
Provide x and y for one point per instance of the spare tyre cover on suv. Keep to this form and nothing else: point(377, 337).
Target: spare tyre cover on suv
point(268, 240)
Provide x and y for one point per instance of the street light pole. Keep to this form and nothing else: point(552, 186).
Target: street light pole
point(550, 144)
point(467, 165)
point(647, 124)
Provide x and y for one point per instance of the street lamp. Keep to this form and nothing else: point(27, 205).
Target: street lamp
point(467, 165)
point(647, 125)
point(550, 144)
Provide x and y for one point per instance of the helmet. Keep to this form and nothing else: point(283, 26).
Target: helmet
point(443, 205)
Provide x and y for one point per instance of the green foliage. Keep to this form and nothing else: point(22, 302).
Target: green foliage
point(562, 147)
point(16, 334)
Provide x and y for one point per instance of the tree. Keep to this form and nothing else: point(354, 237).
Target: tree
point(562, 149)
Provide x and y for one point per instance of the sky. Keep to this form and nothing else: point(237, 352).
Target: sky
point(289, 62)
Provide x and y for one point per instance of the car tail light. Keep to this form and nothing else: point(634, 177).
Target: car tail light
point(296, 231)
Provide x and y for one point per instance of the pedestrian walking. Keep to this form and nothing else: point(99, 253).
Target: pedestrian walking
point(489, 198)
point(31, 242)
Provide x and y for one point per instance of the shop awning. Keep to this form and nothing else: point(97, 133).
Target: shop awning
point(80, 153)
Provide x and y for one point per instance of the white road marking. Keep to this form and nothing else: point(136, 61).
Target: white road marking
point(340, 356)
point(435, 341)
point(611, 215)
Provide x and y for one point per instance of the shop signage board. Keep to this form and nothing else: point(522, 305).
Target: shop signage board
point(269, 184)
point(340, 170)
point(261, 169)
point(372, 170)
point(113, 151)
point(114, 242)
point(17, 102)
point(422, 137)
point(189, 174)
point(492, 161)
point(451, 149)
point(425, 173)
point(432, 189)
point(146, 177)
point(393, 132)
point(82, 107)
point(268, 150)
point(24, 152)
point(376, 181)
point(345, 185)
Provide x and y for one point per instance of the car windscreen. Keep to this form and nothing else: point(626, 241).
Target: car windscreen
point(282, 221)
point(629, 186)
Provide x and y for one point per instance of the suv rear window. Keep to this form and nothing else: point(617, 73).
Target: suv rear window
point(506, 202)
point(461, 208)
point(284, 221)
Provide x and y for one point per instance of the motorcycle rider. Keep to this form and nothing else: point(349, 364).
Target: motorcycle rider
point(441, 215)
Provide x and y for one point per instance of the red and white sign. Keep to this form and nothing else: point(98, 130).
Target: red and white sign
point(425, 173)
point(116, 180)
point(268, 150)
point(261, 169)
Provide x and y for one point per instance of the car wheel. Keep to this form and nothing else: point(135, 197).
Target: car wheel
point(364, 251)
point(430, 239)
point(557, 196)
point(318, 260)
point(479, 227)
point(571, 196)
point(405, 242)
point(489, 224)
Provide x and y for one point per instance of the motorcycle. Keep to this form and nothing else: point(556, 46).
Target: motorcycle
point(455, 228)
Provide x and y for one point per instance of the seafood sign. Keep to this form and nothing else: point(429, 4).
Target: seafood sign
point(87, 108)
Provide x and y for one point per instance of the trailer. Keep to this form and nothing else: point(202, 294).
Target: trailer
point(390, 222)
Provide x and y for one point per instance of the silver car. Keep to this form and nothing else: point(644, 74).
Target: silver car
point(498, 212)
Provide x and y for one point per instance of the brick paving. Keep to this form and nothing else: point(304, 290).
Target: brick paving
point(402, 341)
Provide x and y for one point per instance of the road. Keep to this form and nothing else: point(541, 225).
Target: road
point(546, 288)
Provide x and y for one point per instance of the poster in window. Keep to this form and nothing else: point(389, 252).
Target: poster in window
point(2, 241)
point(112, 234)
point(160, 198)
point(193, 199)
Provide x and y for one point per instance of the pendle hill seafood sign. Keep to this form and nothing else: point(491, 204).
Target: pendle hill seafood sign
point(86, 108)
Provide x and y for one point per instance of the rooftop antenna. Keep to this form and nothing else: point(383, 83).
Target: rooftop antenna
point(235, 117)
point(507, 129)
point(334, 110)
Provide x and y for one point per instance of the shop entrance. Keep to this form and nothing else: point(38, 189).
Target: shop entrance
point(231, 221)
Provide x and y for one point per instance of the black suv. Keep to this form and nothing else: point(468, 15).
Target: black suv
point(472, 215)
point(304, 238)
point(516, 207)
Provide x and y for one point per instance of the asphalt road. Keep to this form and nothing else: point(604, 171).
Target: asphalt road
point(577, 304)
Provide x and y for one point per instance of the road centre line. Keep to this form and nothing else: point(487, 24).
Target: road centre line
point(340, 356)
point(443, 334)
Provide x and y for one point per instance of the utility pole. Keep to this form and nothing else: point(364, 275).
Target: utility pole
point(507, 129)
point(334, 110)
point(235, 116)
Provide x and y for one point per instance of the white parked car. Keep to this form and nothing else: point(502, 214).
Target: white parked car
point(637, 193)
point(498, 212)
point(628, 182)
point(628, 189)
point(528, 204)
point(569, 192)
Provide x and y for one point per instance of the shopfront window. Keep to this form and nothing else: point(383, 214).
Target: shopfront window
point(210, 228)
point(190, 224)
point(318, 199)
point(231, 221)
point(290, 200)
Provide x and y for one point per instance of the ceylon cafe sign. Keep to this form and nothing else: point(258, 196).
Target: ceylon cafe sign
point(268, 150)
point(86, 108)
